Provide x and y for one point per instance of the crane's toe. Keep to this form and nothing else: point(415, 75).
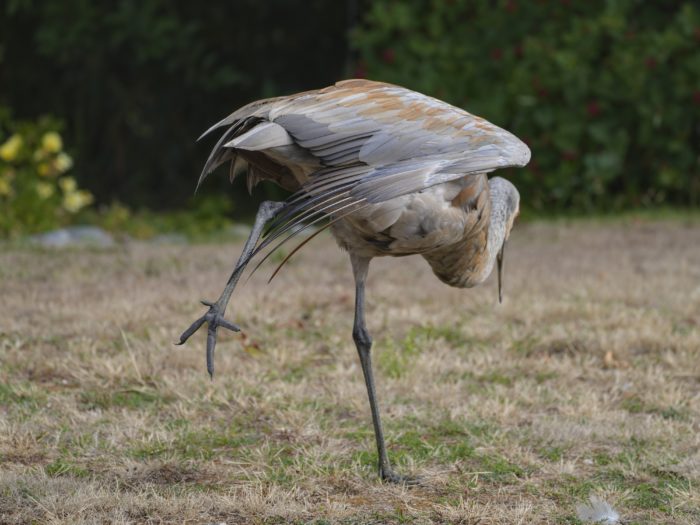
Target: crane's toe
point(390, 476)
point(214, 319)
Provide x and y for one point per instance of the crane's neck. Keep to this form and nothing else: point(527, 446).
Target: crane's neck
point(470, 262)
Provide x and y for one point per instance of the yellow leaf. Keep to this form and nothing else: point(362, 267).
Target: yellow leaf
point(44, 190)
point(44, 169)
point(5, 187)
point(52, 142)
point(63, 162)
point(10, 149)
point(68, 184)
point(77, 200)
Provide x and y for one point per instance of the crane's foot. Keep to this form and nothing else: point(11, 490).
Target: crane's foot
point(390, 476)
point(214, 319)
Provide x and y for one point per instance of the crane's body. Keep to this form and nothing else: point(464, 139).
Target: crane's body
point(396, 172)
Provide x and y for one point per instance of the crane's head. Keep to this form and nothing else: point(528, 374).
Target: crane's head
point(505, 201)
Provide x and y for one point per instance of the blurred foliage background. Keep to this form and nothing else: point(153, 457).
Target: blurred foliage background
point(606, 92)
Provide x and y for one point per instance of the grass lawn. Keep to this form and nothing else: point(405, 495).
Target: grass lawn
point(586, 381)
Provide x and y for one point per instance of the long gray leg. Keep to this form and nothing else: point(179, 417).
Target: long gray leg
point(215, 316)
point(363, 342)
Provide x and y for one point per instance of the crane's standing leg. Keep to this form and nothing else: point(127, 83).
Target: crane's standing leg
point(215, 316)
point(363, 342)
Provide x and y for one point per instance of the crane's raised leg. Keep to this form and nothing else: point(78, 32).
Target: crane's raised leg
point(215, 316)
point(363, 342)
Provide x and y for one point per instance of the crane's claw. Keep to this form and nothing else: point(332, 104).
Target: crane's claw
point(214, 319)
point(388, 475)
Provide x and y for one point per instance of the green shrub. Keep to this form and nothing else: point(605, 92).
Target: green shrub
point(36, 192)
point(205, 218)
point(606, 94)
point(136, 82)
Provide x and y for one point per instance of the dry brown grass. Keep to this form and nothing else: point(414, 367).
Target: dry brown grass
point(585, 381)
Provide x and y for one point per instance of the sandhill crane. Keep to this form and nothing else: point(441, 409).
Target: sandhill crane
point(396, 173)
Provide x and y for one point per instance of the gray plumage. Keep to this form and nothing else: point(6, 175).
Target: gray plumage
point(396, 173)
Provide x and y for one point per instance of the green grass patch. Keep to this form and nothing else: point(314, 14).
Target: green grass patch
point(410, 440)
point(655, 491)
point(395, 360)
point(129, 398)
point(496, 378)
point(602, 459)
point(451, 335)
point(636, 405)
point(497, 468)
point(9, 396)
point(21, 397)
point(525, 346)
point(544, 376)
point(196, 444)
point(552, 453)
point(63, 467)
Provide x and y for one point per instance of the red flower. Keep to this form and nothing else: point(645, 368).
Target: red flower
point(593, 108)
point(511, 6)
point(651, 62)
point(496, 54)
point(696, 97)
point(569, 155)
point(388, 56)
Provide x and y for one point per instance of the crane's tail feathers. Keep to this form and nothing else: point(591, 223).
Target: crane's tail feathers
point(251, 133)
point(264, 135)
point(294, 220)
point(218, 155)
point(219, 124)
point(254, 109)
point(296, 207)
point(296, 229)
point(339, 206)
point(237, 166)
point(310, 205)
point(316, 196)
point(299, 247)
point(303, 243)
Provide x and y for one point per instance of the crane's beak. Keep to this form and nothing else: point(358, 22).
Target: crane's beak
point(499, 260)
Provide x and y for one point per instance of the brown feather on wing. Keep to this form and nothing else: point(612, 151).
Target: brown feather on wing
point(361, 142)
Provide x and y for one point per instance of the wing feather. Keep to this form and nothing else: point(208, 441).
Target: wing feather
point(261, 137)
point(373, 142)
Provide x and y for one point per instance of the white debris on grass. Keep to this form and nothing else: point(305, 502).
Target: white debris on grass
point(597, 510)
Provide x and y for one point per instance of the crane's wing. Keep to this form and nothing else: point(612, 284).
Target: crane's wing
point(365, 142)
point(371, 123)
